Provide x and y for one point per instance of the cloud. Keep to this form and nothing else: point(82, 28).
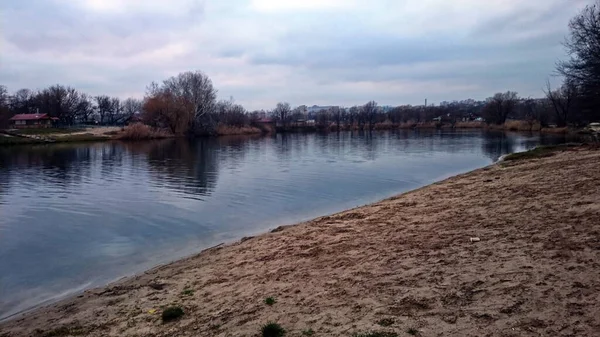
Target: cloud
point(304, 52)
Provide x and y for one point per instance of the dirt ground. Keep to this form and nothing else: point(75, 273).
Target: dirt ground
point(405, 265)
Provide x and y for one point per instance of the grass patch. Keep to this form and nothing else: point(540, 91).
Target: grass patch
point(412, 331)
point(270, 301)
point(539, 152)
point(377, 334)
point(308, 332)
point(80, 138)
point(386, 321)
point(273, 330)
point(17, 141)
point(48, 131)
point(187, 292)
point(62, 331)
point(172, 314)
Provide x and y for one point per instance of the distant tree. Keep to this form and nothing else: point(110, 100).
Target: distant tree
point(60, 102)
point(5, 112)
point(85, 108)
point(582, 69)
point(499, 107)
point(563, 101)
point(104, 107)
point(23, 102)
point(132, 106)
point(369, 112)
point(282, 112)
point(195, 96)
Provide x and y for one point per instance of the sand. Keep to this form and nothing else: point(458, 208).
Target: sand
point(399, 264)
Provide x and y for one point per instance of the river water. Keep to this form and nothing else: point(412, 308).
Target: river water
point(75, 216)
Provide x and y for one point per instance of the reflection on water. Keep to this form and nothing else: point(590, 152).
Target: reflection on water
point(80, 215)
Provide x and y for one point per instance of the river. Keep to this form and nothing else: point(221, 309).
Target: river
point(75, 216)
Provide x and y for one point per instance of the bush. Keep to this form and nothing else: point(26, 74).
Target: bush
point(377, 334)
point(139, 131)
point(273, 330)
point(270, 301)
point(172, 313)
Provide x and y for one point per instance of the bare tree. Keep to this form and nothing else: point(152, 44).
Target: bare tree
point(194, 94)
point(500, 107)
point(131, 107)
point(282, 111)
point(563, 101)
point(582, 70)
point(4, 107)
point(103, 106)
point(369, 111)
point(23, 102)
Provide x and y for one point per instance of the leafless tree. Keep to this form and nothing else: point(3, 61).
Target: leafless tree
point(283, 111)
point(563, 101)
point(132, 106)
point(500, 106)
point(369, 112)
point(103, 106)
point(582, 69)
point(194, 94)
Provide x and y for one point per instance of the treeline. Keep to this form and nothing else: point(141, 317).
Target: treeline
point(67, 104)
point(187, 104)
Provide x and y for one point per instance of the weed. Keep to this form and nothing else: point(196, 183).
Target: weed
point(273, 330)
point(308, 332)
point(377, 334)
point(187, 292)
point(172, 313)
point(412, 331)
point(539, 152)
point(270, 301)
point(386, 321)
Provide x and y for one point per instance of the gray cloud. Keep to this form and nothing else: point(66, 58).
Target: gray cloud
point(393, 51)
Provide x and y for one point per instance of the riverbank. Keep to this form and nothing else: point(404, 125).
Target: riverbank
point(404, 264)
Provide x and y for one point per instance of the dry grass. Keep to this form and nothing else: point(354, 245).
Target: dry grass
point(226, 130)
point(555, 130)
point(139, 131)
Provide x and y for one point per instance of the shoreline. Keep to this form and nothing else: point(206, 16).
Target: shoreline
point(405, 259)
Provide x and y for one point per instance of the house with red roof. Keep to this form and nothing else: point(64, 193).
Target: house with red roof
point(24, 121)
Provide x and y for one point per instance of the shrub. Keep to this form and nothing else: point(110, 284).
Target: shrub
point(172, 313)
point(308, 332)
point(386, 321)
point(412, 331)
point(377, 334)
point(139, 131)
point(270, 301)
point(273, 330)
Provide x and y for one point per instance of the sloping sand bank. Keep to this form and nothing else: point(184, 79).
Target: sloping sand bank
point(402, 265)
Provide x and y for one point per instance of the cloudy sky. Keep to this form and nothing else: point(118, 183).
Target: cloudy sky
point(341, 52)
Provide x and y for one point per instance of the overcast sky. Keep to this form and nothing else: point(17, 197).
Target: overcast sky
point(341, 52)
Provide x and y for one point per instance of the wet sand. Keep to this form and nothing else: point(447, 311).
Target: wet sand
point(405, 263)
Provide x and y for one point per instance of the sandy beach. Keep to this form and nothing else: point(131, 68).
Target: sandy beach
point(403, 266)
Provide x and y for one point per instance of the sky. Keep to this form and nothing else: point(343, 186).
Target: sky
point(260, 52)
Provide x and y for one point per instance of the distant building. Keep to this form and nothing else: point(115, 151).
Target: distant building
point(24, 121)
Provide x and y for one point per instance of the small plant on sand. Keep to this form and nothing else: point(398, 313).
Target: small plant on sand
point(270, 301)
point(386, 321)
point(377, 334)
point(172, 313)
point(412, 331)
point(308, 332)
point(273, 330)
point(187, 292)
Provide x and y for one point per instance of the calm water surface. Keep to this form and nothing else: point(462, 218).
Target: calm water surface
point(78, 216)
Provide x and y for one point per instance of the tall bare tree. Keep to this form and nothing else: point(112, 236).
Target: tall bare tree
point(500, 106)
point(563, 101)
point(369, 111)
point(283, 111)
point(582, 69)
